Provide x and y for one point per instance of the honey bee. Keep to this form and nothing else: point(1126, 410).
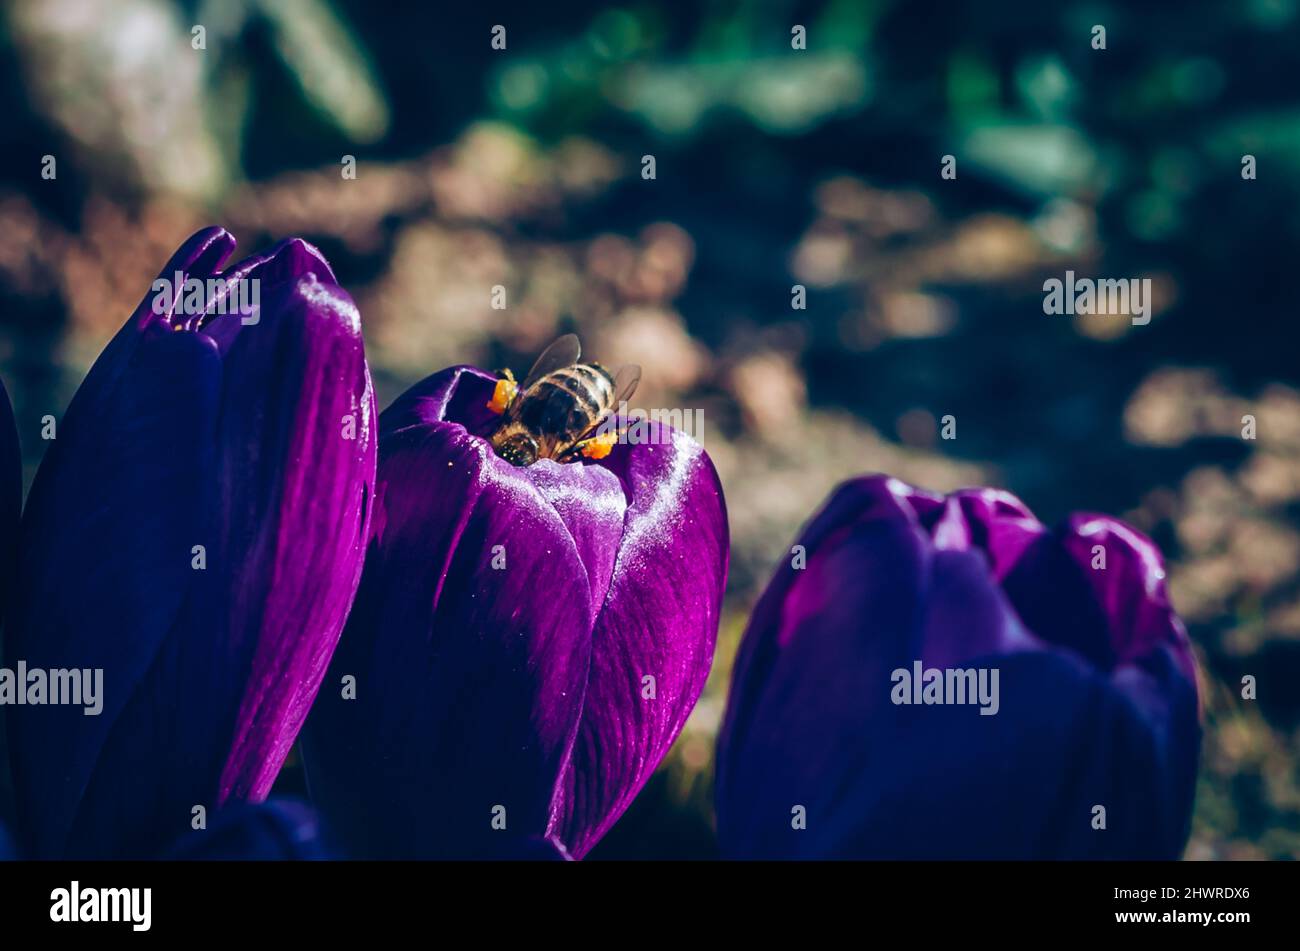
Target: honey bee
point(553, 413)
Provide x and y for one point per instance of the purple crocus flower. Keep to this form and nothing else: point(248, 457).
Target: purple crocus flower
point(526, 642)
point(1074, 735)
point(195, 532)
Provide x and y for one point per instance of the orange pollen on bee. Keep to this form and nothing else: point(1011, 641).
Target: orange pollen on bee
point(600, 446)
point(502, 395)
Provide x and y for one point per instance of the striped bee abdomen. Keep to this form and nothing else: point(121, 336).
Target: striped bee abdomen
point(567, 403)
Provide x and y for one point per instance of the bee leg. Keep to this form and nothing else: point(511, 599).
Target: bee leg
point(504, 393)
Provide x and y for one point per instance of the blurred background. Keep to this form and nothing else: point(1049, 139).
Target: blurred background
point(774, 167)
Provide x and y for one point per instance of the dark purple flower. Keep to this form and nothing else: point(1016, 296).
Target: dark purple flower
point(277, 830)
point(526, 642)
point(196, 531)
point(1094, 702)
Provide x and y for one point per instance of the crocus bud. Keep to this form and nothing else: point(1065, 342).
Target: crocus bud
point(191, 545)
point(526, 643)
point(947, 678)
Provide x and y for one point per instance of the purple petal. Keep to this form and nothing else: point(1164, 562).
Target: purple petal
point(1130, 589)
point(829, 594)
point(101, 585)
point(659, 620)
point(294, 486)
point(998, 523)
point(283, 266)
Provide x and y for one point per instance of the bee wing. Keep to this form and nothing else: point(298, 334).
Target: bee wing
point(563, 352)
point(626, 379)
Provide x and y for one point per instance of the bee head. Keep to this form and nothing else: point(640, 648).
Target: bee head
point(518, 449)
